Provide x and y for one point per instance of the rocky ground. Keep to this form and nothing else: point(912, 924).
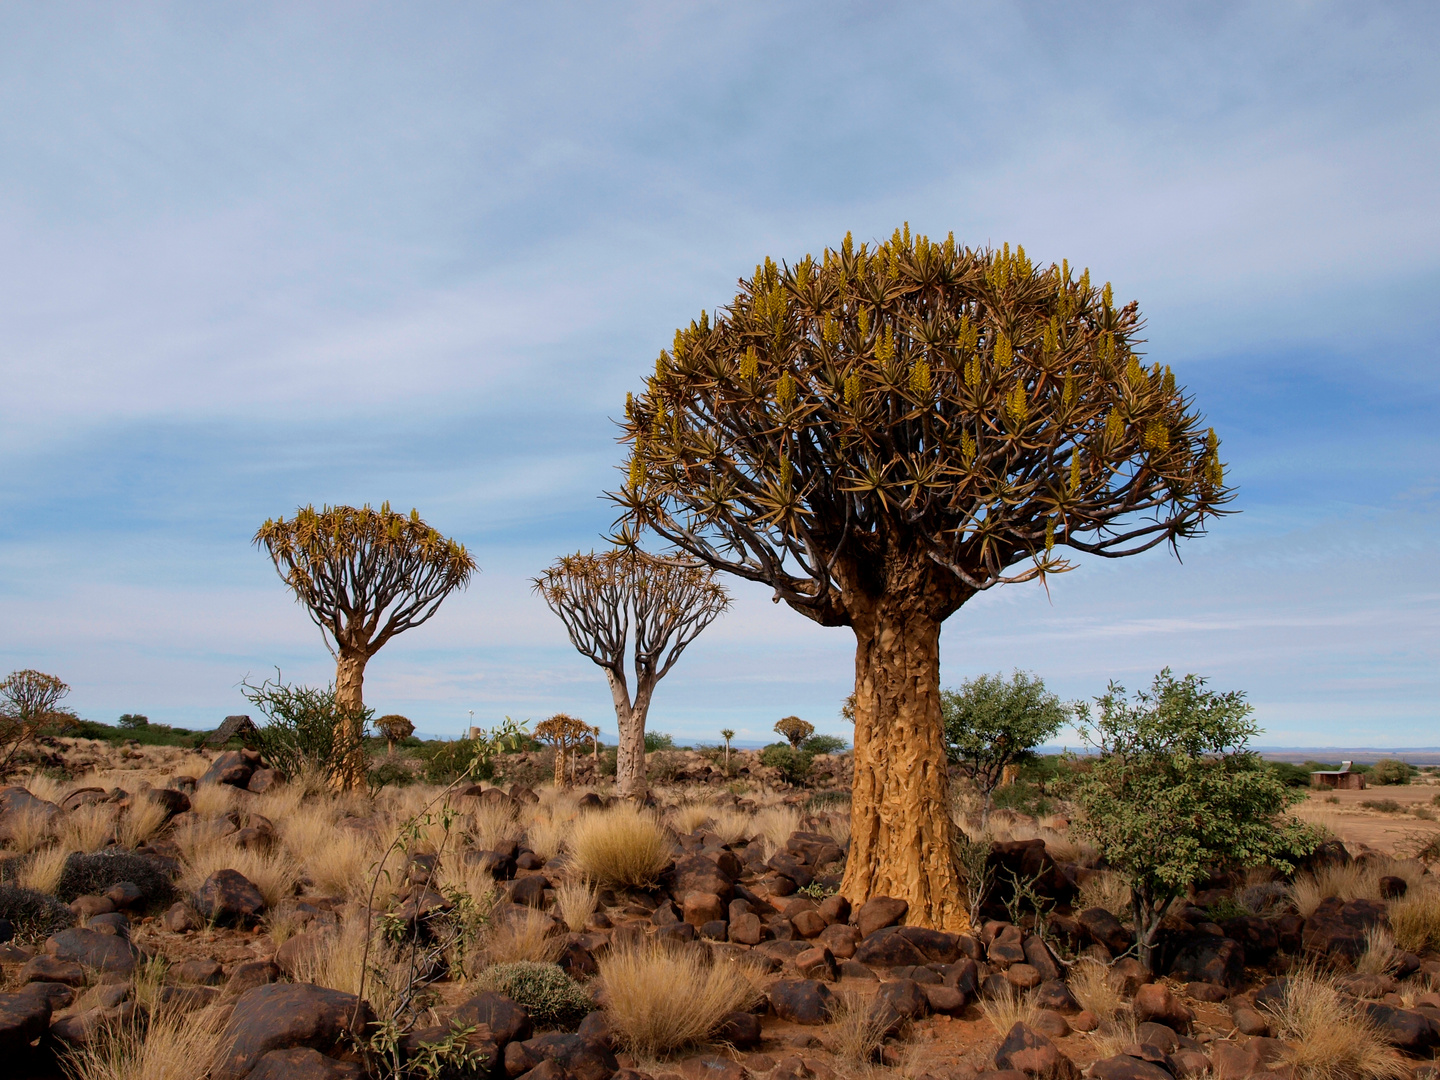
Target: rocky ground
point(169, 931)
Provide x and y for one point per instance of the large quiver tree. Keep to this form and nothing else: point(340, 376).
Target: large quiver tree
point(364, 576)
point(878, 436)
point(601, 599)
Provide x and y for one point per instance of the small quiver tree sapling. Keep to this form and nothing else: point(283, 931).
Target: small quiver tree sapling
point(29, 704)
point(794, 730)
point(395, 728)
point(562, 732)
point(600, 599)
point(1175, 794)
point(364, 576)
point(878, 435)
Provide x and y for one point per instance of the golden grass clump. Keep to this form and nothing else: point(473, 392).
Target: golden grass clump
point(619, 846)
point(690, 816)
point(1096, 987)
point(1415, 920)
point(660, 999)
point(338, 961)
point(837, 827)
point(1107, 890)
point(48, 788)
point(42, 869)
point(274, 873)
point(775, 824)
point(731, 824)
point(1007, 1010)
point(492, 824)
point(1380, 957)
point(475, 881)
point(1330, 1037)
point(547, 834)
point(856, 1028)
point(1352, 881)
point(575, 903)
point(525, 934)
point(88, 828)
point(28, 829)
point(141, 820)
point(213, 800)
point(1113, 1036)
point(171, 1046)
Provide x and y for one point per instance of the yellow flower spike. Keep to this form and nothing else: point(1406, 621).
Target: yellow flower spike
point(704, 321)
point(1212, 443)
point(637, 470)
point(1107, 346)
point(1157, 436)
point(906, 237)
point(885, 350)
point(864, 321)
point(1134, 373)
point(967, 448)
point(830, 329)
point(1049, 535)
point(1065, 270)
point(657, 425)
point(1114, 427)
point(750, 363)
point(1108, 296)
point(920, 379)
point(1070, 392)
point(1085, 282)
point(784, 472)
point(1052, 336)
point(1167, 385)
point(852, 388)
point(848, 245)
point(785, 390)
point(1074, 470)
point(962, 338)
point(1004, 352)
point(1018, 404)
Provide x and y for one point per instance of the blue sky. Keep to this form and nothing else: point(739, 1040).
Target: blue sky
point(264, 255)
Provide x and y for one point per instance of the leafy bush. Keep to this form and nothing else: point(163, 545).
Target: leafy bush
point(794, 765)
point(1291, 775)
point(85, 875)
point(299, 736)
point(658, 740)
point(134, 720)
point(551, 997)
point(823, 744)
point(1389, 772)
point(34, 915)
point(1384, 806)
point(390, 772)
point(451, 759)
point(1023, 797)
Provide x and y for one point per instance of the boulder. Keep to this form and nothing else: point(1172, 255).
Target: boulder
point(86, 906)
point(188, 998)
point(800, 1001)
point(114, 923)
point(1004, 951)
point(303, 1063)
point(703, 907)
point(1408, 1029)
point(943, 999)
point(1206, 958)
point(1248, 1021)
point(1056, 996)
point(47, 969)
point(817, 963)
point(528, 890)
point(263, 780)
point(899, 1001)
point(840, 938)
point(229, 898)
point(24, 1017)
point(1103, 927)
point(696, 873)
point(1154, 1002)
point(17, 803)
point(1337, 930)
point(935, 945)
point(181, 917)
point(879, 912)
point(100, 952)
point(746, 929)
point(1050, 1024)
point(1037, 955)
point(808, 924)
point(198, 973)
point(577, 1055)
point(1029, 1052)
point(92, 1025)
point(249, 975)
point(888, 948)
point(282, 1016)
point(1125, 1067)
point(507, 1021)
point(1022, 976)
point(834, 910)
point(964, 975)
point(231, 767)
point(740, 1029)
point(1257, 935)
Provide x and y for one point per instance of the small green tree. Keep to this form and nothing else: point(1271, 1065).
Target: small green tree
point(134, 720)
point(795, 730)
point(1389, 771)
point(992, 722)
point(1175, 794)
point(300, 736)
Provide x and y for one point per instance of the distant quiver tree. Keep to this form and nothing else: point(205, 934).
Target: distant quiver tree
point(795, 730)
point(394, 728)
point(563, 732)
point(601, 598)
point(364, 576)
point(880, 434)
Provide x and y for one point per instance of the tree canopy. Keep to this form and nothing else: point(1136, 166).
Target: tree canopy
point(992, 722)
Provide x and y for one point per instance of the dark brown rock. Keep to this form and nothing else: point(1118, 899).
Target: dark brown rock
point(696, 873)
point(887, 947)
point(1206, 958)
point(746, 929)
point(808, 924)
point(249, 975)
point(800, 1001)
point(303, 1063)
point(188, 998)
point(1204, 991)
point(840, 938)
point(1027, 1051)
point(1125, 1067)
point(229, 898)
point(1003, 952)
point(507, 1021)
point(48, 969)
point(899, 1001)
point(834, 909)
point(879, 912)
point(231, 767)
point(578, 1056)
point(86, 906)
point(817, 963)
point(1248, 1021)
point(281, 1016)
point(1056, 996)
point(100, 952)
point(943, 999)
point(1103, 927)
point(1051, 1024)
point(1022, 976)
point(24, 1017)
point(114, 923)
point(739, 1029)
point(701, 908)
point(181, 917)
point(1155, 1002)
point(1037, 955)
point(198, 972)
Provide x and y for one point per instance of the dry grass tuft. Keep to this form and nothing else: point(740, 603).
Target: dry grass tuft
point(1415, 920)
point(619, 846)
point(1352, 881)
point(659, 999)
point(213, 800)
point(48, 788)
point(1096, 988)
point(547, 834)
point(140, 822)
point(1113, 1036)
point(837, 827)
point(42, 869)
point(29, 829)
point(775, 824)
point(688, 817)
point(492, 825)
point(575, 903)
point(856, 1028)
point(525, 934)
point(274, 873)
point(1006, 1011)
point(731, 824)
point(172, 1046)
point(88, 828)
point(1107, 890)
point(1331, 1038)
point(1380, 957)
point(338, 962)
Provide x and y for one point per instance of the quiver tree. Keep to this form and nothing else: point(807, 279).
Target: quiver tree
point(364, 576)
point(795, 730)
point(601, 599)
point(562, 732)
point(727, 734)
point(395, 728)
point(878, 436)
point(29, 703)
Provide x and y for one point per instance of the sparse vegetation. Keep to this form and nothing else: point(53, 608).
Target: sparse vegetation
point(1330, 1037)
point(33, 914)
point(659, 999)
point(551, 997)
point(619, 846)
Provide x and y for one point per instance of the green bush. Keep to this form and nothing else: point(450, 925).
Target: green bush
point(1388, 772)
point(658, 740)
point(1291, 775)
point(85, 875)
point(823, 744)
point(33, 915)
point(391, 771)
point(134, 720)
point(794, 765)
point(450, 759)
point(551, 997)
point(299, 735)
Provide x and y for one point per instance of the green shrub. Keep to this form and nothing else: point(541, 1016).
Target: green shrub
point(299, 735)
point(34, 915)
point(794, 765)
point(1384, 806)
point(85, 875)
point(390, 771)
point(451, 759)
point(658, 740)
point(551, 997)
point(665, 765)
point(1023, 797)
point(1388, 772)
point(1291, 775)
point(823, 744)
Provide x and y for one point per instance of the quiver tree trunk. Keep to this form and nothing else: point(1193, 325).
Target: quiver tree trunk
point(631, 779)
point(901, 834)
point(349, 751)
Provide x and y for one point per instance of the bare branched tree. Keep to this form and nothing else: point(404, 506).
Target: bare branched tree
point(601, 599)
point(880, 434)
point(364, 576)
point(29, 703)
